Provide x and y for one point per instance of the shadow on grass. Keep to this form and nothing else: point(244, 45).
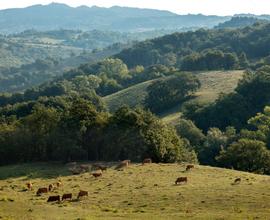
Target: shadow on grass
point(43, 170)
point(34, 170)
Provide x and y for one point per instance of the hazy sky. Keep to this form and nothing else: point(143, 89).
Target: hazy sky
point(220, 7)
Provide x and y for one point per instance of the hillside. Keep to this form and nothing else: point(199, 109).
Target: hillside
point(131, 96)
point(239, 22)
point(213, 83)
point(88, 18)
point(136, 192)
point(28, 46)
point(203, 49)
point(27, 75)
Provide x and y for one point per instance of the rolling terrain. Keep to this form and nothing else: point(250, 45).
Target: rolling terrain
point(213, 83)
point(136, 192)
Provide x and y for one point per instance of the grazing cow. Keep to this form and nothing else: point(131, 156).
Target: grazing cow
point(67, 196)
point(181, 180)
point(147, 160)
point(103, 168)
point(51, 187)
point(237, 180)
point(126, 162)
point(122, 164)
point(75, 171)
point(42, 190)
point(189, 167)
point(29, 186)
point(59, 183)
point(100, 167)
point(82, 193)
point(97, 174)
point(84, 167)
point(53, 199)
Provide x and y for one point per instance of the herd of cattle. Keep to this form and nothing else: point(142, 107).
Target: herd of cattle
point(98, 170)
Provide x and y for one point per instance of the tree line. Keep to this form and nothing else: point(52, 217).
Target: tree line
point(204, 49)
point(81, 132)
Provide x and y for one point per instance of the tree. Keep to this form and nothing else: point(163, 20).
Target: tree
point(247, 155)
point(35, 133)
point(168, 92)
point(243, 61)
point(187, 129)
point(262, 124)
point(215, 141)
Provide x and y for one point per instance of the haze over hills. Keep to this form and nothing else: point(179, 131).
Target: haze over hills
point(88, 18)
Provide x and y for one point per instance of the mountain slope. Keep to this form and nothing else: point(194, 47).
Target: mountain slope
point(88, 18)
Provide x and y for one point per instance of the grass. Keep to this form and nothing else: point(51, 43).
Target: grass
point(132, 96)
point(213, 83)
point(216, 82)
point(137, 192)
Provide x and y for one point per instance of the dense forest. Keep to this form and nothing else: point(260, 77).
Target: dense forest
point(203, 49)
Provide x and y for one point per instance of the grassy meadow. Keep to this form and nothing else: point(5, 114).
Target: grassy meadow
point(213, 83)
point(136, 192)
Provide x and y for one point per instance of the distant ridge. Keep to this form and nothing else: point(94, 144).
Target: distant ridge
point(61, 16)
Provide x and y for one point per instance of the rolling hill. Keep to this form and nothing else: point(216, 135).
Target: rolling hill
point(136, 192)
point(213, 83)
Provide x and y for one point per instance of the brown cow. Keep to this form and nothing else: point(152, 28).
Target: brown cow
point(103, 168)
point(84, 167)
point(67, 196)
point(29, 186)
point(42, 190)
point(53, 199)
point(181, 180)
point(82, 193)
point(122, 164)
point(99, 167)
point(147, 160)
point(97, 174)
point(189, 167)
point(75, 171)
point(59, 183)
point(51, 187)
point(126, 162)
point(237, 180)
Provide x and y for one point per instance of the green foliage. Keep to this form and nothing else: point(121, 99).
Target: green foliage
point(251, 96)
point(214, 142)
point(188, 130)
point(206, 49)
point(262, 124)
point(80, 131)
point(164, 94)
point(248, 155)
point(210, 60)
